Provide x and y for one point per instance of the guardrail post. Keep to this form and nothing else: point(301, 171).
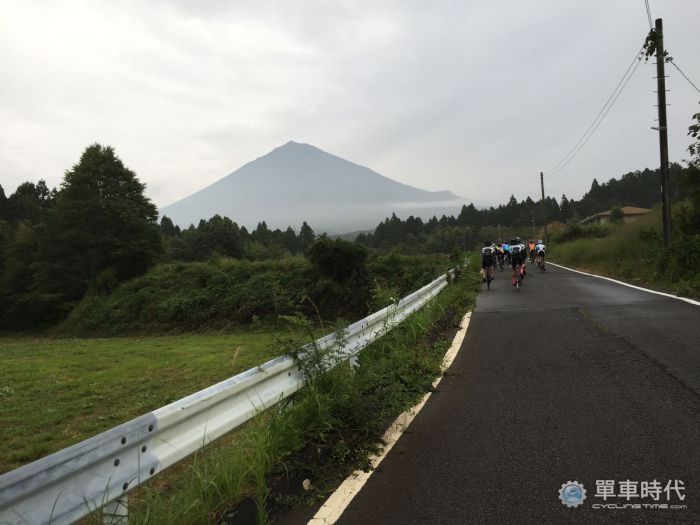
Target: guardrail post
point(116, 512)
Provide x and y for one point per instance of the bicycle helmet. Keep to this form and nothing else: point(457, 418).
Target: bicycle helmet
point(487, 243)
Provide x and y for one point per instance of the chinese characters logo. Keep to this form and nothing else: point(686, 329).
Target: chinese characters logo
point(627, 494)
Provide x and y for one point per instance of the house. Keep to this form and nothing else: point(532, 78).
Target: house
point(629, 213)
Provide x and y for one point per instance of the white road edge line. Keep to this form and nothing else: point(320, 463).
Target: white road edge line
point(687, 300)
point(336, 504)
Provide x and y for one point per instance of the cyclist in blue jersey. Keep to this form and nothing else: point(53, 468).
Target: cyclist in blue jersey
point(506, 251)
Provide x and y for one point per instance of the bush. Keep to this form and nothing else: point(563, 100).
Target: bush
point(582, 231)
point(342, 284)
point(616, 214)
point(195, 296)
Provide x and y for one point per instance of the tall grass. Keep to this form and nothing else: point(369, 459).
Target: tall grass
point(632, 251)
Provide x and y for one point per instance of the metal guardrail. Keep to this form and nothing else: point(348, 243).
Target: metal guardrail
point(67, 485)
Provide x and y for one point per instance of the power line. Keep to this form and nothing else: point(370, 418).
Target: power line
point(572, 152)
point(646, 2)
point(556, 166)
point(684, 75)
point(599, 121)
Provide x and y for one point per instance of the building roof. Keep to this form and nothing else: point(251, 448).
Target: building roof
point(626, 211)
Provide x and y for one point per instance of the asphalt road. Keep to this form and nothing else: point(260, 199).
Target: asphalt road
point(574, 378)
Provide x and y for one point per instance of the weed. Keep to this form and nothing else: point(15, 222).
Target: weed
point(299, 452)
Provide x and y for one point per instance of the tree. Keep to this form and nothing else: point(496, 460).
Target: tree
point(306, 237)
point(289, 240)
point(342, 285)
point(694, 133)
point(566, 208)
point(3, 204)
point(30, 203)
point(688, 217)
point(102, 225)
point(167, 227)
point(262, 233)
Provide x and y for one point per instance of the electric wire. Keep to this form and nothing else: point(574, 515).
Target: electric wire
point(673, 63)
point(599, 122)
point(646, 2)
point(564, 160)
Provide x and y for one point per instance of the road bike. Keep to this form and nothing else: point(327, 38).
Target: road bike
point(519, 277)
point(540, 264)
point(500, 258)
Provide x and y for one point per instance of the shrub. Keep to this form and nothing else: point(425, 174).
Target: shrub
point(582, 231)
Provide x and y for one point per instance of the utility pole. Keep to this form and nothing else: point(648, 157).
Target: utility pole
point(663, 131)
point(544, 218)
point(534, 234)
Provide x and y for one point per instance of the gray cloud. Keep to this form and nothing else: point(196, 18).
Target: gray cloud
point(474, 97)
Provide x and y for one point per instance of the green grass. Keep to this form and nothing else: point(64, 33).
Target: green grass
point(333, 425)
point(632, 252)
point(56, 392)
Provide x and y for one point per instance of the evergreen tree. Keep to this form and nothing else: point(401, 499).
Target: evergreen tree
point(102, 225)
point(3, 204)
point(29, 203)
point(306, 237)
point(565, 208)
point(167, 227)
point(290, 241)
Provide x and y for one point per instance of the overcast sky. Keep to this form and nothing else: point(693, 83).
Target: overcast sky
point(476, 97)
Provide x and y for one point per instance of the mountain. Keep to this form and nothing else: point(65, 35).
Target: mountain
point(299, 182)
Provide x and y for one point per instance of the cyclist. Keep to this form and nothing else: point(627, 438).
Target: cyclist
point(500, 254)
point(540, 249)
point(523, 250)
point(487, 259)
point(531, 250)
point(506, 252)
point(517, 257)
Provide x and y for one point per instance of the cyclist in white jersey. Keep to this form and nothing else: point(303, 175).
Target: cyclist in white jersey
point(488, 257)
point(540, 250)
point(517, 256)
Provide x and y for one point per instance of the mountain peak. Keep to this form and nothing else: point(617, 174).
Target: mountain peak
point(296, 146)
point(299, 182)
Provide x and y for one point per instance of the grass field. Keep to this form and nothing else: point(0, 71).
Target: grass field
point(56, 392)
